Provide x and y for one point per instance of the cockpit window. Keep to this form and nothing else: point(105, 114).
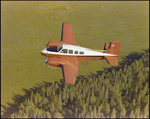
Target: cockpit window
point(52, 49)
point(64, 51)
point(71, 51)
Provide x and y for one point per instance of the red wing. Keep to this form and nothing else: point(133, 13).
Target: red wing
point(70, 70)
point(67, 34)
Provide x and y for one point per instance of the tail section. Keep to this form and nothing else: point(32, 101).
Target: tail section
point(112, 48)
point(106, 46)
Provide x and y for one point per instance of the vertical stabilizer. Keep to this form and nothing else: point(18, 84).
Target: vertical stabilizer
point(112, 48)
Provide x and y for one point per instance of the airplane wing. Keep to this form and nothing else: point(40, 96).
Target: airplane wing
point(67, 34)
point(70, 70)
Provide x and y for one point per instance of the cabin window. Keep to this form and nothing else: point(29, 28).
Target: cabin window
point(81, 52)
point(64, 51)
point(76, 52)
point(71, 51)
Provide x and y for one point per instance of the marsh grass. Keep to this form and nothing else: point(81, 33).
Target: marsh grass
point(26, 26)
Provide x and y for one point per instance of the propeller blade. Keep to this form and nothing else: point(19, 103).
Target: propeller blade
point(47, 43)
point(46, 61)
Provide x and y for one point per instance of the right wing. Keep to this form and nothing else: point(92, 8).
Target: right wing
point(67, 34)
point(70, 70)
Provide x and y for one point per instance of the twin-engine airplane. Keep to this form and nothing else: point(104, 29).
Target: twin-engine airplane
point(66, 53)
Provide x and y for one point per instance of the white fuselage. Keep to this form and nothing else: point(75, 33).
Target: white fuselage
point(71, 50)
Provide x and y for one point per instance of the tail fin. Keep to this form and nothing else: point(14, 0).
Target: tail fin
point(112, 48)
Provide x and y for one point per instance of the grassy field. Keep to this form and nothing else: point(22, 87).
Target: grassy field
point(25, 27)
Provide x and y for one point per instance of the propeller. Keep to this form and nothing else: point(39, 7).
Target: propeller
point(46, 61)
point(47, 43)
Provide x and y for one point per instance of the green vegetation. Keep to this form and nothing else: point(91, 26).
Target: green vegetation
point(121, 91)
point(26, 25)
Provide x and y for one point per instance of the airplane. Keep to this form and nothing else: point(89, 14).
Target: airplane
point(66, 53)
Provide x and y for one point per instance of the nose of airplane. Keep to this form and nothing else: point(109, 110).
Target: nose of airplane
point(44, 52)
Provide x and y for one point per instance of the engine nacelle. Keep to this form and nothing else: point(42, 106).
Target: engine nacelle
point(56, 62)
point(55, 43)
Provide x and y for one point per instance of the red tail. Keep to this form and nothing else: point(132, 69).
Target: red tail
point(112, 48)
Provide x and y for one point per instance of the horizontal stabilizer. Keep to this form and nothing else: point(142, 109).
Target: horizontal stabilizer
point(112, 60)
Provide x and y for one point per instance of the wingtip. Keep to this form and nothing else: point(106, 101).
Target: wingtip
point(65, 23)
point(70, 83)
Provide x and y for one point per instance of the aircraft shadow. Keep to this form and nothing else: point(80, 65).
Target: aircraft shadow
point(18, 99)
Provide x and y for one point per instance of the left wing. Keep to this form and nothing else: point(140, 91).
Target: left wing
point(70, 70)
point(67, 34)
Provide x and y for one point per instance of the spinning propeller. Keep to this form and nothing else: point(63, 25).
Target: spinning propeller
point(46, 61)
point(47, 43)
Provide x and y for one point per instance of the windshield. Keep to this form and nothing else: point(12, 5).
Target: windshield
point(59, 48)
point(52, 49)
